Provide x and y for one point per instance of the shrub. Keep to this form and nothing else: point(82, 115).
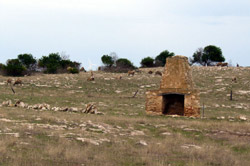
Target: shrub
point(122, 66)
point(73, 70)
point(54, 64)
point(28, 61)
point(14, 68)
point(147, 62)
point(1, 68)
point(107, 60)
point(124, 63)
point(51, 63)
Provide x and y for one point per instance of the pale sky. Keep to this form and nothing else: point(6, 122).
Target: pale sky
point(134, 29)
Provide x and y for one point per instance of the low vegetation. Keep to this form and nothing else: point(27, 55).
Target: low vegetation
point(26, 64)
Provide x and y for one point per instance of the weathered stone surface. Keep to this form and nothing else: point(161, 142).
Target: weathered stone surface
point(176, 94)
point(177, 74)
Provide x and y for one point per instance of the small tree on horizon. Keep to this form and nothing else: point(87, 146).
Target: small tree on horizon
point(107, 60)
point(207, 55)
point(124, 63)
point(212, 53)
point(160, 60)
point(14, 67)
point(28, 61)
point(51, 63)
point(147, 62)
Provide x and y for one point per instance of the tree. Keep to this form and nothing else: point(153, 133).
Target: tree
point(207, 55)
point(107, 60)
point(54, 63)
point(51, 63)
point(160, 60)
point(212, 54)
point(14, 68)
point(147, 62)
point(28, 61)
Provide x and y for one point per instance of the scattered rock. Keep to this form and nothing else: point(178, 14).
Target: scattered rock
point(243, 118)
point(188, 146)
point(137, 133)
point(141, 142)
point(166, 133)
point(243, 92)
point(17, 135)
point(88, 140)
point(221, 117)
point(90, 108)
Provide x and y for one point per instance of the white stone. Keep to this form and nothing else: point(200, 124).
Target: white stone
point(137, 133)
point(166, 133)
point(243, 118)
point(141, 142)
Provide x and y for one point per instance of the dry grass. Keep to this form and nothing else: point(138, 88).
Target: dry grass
point(125, 135)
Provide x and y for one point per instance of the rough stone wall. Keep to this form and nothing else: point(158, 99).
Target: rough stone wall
point(192, 104)
point(177, 73)
point(153, 102)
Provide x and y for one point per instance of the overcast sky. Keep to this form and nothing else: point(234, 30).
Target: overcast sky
point(88, 29)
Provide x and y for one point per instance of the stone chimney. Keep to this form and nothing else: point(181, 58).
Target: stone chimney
point(176, 94)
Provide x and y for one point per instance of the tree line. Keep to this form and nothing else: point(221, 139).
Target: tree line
point(25, 64)
point(202, 56)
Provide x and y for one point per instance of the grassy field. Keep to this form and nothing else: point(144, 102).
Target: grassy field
point(125, 135)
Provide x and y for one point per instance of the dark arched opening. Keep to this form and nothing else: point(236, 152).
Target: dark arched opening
point(173, 104)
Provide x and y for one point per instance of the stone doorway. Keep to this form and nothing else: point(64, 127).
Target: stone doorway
point(173, 104)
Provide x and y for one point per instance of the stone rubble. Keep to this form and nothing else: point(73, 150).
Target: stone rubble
point(90, 108)
point(188, 146)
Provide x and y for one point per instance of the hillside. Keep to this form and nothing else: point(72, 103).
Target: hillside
point(123, 134)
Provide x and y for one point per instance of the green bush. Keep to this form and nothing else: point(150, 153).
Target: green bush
point(68, 63)
point(28, 61)
point(1, 66)
point(124, 63)
point(51, 63)
point(73, 70)
point(147, 62)
point(14, 68)
point(107, 60)
point(54, 64)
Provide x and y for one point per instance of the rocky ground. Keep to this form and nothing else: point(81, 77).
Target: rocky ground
point(67, 120)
